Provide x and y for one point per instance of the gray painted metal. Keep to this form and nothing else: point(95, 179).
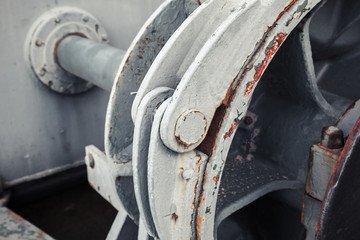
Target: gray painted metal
point(14, 227)
point(117, 225)
point(111, 180)
point(247, 62)
point(142, 233)
point(138, 59)
point(42, 131)
point(322, 162)
point(200, 89)
point(141, 140)
point(181, 49)
point(42, 41)
point(310, 216)
point(90, 61)
point(349, 118)
point(178, 179)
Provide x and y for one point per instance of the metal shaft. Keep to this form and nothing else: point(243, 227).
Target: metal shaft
point(91, 61)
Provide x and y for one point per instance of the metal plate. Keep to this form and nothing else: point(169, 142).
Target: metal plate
point(138, 59)
point(140, 152)
point(174, 182)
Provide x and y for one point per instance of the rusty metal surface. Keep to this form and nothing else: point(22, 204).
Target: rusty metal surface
point(321, 165)
point(339, 215)
point(176, 178)
point(14, 227)
point(138, 59)
point(240, 68)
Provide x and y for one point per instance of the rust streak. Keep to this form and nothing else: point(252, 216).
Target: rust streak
point(286, 9)
point(270, 51)
point(343, 155)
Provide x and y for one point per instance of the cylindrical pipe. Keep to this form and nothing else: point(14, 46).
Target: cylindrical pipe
point(91, 61)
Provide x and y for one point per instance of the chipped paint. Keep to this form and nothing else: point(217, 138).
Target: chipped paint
point(208, 209)
point(215, 179)
point(214, 166)
point(233, 125)
point(302, 8)
point(271, 49)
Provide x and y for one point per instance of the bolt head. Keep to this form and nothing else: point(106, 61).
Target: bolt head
point(190, 127)
point(187, 174)
point(104, 37)
point(85, 18)
point(42, 72)
point(332, 137)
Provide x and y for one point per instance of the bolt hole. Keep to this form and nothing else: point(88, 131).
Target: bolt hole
point(248, 120)
point(91, 161)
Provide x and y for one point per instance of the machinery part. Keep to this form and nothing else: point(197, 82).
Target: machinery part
point(190, 127)
point(90, 61)
point(332, 137)
point(139, 57)
point(15, 227)
point(192, 71)
point(112, 180)
point(190, 139)
point(348, 119)
point(338, 218)
point(57, 126)
point(42, 41)
point(176, 217)
point(218, 140)
point(323, 161)
point(140, 153)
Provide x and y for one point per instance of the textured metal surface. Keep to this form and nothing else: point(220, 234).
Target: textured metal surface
point(14, 227)
point(140, 55)
point(45, 130)
point(117, 226)
point(321, 165)
point(141, 141)
point(98, 175)
point(43, 38)
point(243, 66)
point(176, 178)
point(112, 180)
point(90, 61)
point(339, 216)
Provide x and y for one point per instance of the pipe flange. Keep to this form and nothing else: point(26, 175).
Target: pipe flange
point(42, 41)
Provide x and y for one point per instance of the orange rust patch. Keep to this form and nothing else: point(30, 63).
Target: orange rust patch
point(286, 9)
point(199, 219)
point(232, 127)
point(215, 179)
point(270, 51)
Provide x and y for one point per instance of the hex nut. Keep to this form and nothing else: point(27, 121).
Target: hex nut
point(332, 137)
